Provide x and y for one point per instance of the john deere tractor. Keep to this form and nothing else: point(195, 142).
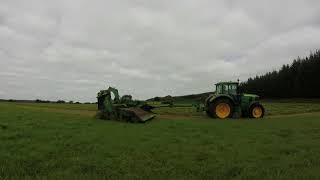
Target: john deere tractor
point(228, 102)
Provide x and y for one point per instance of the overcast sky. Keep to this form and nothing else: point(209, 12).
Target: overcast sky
point(70, 49)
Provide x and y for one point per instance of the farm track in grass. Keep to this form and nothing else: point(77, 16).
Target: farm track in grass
point(205, 118)
point(57, 141)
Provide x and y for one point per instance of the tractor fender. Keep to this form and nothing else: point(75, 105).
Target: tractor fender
point(221, 96)
point(246, 110)
point(253, 103)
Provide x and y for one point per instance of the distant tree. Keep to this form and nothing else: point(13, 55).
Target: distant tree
point(70, 102)
point(167, 98)
point(41, 101)
point(61, 101)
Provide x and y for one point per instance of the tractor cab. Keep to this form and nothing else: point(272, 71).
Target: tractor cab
point(230, 88)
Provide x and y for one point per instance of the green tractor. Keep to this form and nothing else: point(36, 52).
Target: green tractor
point(228, 102)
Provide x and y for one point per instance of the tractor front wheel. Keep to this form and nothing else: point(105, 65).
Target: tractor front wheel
point(221, 108)
point(256, 111)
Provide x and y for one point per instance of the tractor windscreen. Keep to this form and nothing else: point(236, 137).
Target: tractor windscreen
point(233, 89)
point(227, 89)
point(219, 89)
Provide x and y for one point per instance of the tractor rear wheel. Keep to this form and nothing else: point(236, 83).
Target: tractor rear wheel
point(256, 111)
point(221, 108)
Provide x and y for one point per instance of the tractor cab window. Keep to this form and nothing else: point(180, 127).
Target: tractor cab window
point(219, 89)
point(227, 89)
point(233, 89)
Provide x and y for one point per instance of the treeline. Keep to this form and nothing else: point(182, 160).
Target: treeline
point(63, 102)
point(45, 101)
point(59, 101)
point(298, 80)
point(182, 99)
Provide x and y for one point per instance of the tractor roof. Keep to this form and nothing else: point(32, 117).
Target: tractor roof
point(230, 82)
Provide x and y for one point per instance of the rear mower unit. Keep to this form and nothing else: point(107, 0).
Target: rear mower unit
point(228, 102)
point(122, 109)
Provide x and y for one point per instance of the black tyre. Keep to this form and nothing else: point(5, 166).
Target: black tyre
point(220, 108)
point(256, 111)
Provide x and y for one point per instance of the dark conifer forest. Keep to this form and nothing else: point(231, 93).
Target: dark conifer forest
point(297, 80)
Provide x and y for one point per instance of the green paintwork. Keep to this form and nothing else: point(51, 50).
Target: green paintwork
point(122, 109)
point(246, 100)
point(230, 90)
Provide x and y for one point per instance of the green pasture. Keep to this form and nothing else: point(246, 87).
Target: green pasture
point(64, 141)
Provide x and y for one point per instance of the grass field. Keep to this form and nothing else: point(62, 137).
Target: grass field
point(64, 141)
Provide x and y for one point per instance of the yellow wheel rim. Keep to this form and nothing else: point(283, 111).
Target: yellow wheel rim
point(257, 112)
point(223, 110)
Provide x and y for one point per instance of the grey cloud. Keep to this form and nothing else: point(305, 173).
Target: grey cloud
point(71, 49)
